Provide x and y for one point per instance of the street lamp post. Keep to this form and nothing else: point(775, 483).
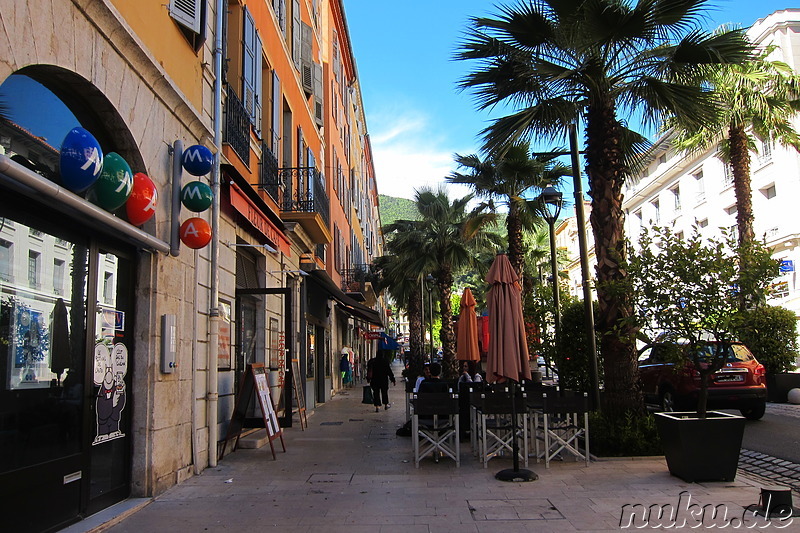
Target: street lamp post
point(429, 279)
point(552, 200)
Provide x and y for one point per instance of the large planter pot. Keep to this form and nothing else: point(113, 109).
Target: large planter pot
point(701, 449)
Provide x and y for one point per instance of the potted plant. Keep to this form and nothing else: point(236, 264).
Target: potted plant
point(690, 291)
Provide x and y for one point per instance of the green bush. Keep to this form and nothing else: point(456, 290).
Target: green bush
point(771, 334)
point(571, 356)
point(627, 436)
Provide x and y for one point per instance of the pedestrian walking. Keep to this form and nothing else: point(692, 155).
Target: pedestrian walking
point(379, 374)
point(345, 368)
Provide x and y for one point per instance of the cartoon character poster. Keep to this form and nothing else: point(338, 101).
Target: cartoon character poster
point(110, 368)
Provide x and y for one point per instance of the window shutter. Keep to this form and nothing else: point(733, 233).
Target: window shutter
point(186, 13)
point(318, 110)
point(280, 13)
point(306, 59)
point(248, 62)
point(301, 152)
point(257, 115)
point(276, 113)
point(296, 31)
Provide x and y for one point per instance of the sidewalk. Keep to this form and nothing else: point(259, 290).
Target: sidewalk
point(349, 472)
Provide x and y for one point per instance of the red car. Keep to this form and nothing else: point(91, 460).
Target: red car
point(740, 384)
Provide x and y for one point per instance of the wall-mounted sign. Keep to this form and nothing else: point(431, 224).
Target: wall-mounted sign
point(114, 186)
point(197, 160)
point(787, 265)
point(195, 233)
point(81, 160)
point(141, 204)
point(196, 196)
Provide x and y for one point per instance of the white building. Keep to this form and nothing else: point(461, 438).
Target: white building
point(681, 190)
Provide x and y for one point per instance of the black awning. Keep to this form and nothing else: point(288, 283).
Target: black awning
point(347, 304)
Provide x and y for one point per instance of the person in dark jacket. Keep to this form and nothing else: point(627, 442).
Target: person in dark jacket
point(379, 373)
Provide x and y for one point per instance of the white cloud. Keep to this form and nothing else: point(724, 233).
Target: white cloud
point(410, 153)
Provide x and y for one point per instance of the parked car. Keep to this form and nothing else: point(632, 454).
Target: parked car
point(740, 384)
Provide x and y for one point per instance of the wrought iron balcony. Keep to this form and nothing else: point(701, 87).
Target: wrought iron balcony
point(304, 192)
point(269, 179)
point(355, 279)
point(237, 126)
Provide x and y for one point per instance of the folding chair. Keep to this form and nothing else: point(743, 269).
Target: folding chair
point(562, 426)
point(435, 426)
point(534, 401)
point(495, 424)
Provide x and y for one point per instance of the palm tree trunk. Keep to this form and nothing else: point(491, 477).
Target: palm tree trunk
point(740, 165)
point(515, 246)
point(416, 358)
point(607, 171)
point(446, 334)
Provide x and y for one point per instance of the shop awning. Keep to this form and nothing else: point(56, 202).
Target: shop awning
point(347, 304)
point(388, 343)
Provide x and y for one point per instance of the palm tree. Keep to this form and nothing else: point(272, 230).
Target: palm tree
point(503, 179)
point(760, 100)
point(450, 235)
point(559, 61)
point(395, 267)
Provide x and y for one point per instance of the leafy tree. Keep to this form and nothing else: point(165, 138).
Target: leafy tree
point(558, 61)
point(686, 291)
point(502, 179)
point(771, 334)
point(759, 100)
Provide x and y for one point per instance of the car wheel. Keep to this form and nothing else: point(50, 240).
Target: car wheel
point(754, 412)
point(667, 401)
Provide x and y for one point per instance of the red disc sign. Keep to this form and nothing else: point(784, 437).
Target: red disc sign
point(195, 233)
point(141, 204)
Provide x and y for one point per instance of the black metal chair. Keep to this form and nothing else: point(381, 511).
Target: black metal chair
point(435, 426)
point(565, 424)
point(495, 424)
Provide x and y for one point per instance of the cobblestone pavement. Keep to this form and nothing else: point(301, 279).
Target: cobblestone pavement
point(771, 469)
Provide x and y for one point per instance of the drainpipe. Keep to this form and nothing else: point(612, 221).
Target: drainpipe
point(213, 327)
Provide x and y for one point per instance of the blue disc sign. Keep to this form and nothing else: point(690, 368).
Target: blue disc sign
point(197, 160)
point(81, 160)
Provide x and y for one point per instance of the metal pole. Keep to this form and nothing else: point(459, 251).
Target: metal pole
point(430, 319)
point(422, 317)
point(584, 255)
point(554, 272)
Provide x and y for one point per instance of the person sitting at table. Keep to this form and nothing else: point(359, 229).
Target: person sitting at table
point(469, 373)
point(426, 373)
point(433, 383)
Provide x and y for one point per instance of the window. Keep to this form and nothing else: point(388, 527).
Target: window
point(58, 276)
point(109, 288)
point(662, 159)
point(732, 210)
point(765, 153)
point(676, 197)
point(769, 192)
point(251, 71)
point(727, 179)
point(6, 262)
point(33, 269)
point(700, 186)
point(656, 211)
point(703, 223)
point(191, 17)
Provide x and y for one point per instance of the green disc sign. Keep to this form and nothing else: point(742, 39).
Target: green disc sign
point(114, 185)
point(196, 196)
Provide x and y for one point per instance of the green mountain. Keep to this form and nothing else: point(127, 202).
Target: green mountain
point(392, 209)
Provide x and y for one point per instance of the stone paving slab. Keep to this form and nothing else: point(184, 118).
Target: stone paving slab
point(348, 472)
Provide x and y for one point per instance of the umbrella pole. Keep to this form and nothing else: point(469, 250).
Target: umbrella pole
point(516, 473)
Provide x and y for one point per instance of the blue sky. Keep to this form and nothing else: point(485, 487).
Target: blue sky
point(416, 117)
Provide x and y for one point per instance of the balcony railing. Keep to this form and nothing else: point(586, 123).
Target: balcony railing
point(270, 180)
point(304, 191)
point(354, 279)
point(237, 126)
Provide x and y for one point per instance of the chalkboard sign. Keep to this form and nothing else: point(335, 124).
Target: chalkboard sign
point(254, 379)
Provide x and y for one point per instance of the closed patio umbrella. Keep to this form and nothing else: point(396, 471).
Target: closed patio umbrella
point(507, 359)
point(508, 346)
point(467, 338)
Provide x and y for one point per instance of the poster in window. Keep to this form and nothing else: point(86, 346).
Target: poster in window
point(224, 353)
